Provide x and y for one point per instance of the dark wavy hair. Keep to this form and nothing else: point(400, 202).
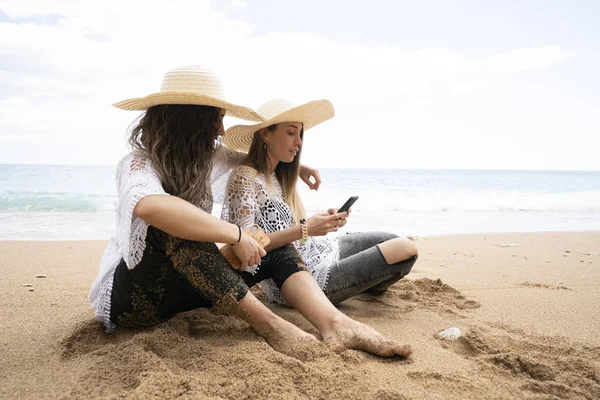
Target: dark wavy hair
point(179, 140)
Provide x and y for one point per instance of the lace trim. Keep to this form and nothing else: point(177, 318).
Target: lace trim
point(102, 304)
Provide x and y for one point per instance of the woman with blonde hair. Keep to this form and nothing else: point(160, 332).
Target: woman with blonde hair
point(163, 259)
point(263, 191)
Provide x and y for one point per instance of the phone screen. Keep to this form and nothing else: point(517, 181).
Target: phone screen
point(348, 204)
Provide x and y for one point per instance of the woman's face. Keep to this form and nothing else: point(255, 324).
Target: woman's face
point(283, 144)
point(221, 130)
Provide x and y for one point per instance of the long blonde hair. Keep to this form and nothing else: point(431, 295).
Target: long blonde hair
point(286, 173)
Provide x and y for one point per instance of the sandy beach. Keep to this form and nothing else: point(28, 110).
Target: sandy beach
point(526, 304)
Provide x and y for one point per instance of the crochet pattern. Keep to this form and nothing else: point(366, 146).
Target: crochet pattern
point(136, 179)
point(251, 198)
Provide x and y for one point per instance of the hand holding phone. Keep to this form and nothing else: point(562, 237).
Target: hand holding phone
point(348, 204)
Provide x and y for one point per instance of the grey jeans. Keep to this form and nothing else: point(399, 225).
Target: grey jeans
point(362, 267)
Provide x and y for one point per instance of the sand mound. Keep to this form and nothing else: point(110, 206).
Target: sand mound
point(424, 293)
point(549, 365)
point(203, 354)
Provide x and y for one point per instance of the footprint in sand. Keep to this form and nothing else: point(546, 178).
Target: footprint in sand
point(543, 286)
point(541, 364)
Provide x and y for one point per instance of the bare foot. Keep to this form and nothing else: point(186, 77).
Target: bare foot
point(290, 340)
point(350, 334)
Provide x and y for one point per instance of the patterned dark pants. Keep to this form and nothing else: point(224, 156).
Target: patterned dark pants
point(177, 275)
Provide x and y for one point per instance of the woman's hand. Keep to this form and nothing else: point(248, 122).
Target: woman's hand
point(344, 219)
point(322, 223)
point(248, 251)
point(306, 173)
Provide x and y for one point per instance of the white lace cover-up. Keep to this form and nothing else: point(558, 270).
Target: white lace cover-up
point(136, 179)
point(250, 199)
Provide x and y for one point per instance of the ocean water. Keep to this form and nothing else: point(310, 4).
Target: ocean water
point(43, 202)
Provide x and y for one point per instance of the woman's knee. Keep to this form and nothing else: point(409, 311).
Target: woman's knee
point(398, 249)
point(410, 247)
point(287, 261)
point(384, 236)
point(207, 270)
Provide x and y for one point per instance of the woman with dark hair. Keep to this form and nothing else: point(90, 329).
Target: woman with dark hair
point(263, 192)
point(163, 259)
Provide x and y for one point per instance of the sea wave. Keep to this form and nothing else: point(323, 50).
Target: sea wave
point(12, 201)
point(424, 200)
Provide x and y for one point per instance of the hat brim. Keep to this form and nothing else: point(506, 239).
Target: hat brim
point(311, 114)
point(155, 99)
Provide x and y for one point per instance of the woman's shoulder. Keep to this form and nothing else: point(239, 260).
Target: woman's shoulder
point(245, 175)
point(134, 160)
point(246, 171)
point(135, 163)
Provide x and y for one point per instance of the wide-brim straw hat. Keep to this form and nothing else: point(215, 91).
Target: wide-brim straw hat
point(311, 114)
point(195, 85)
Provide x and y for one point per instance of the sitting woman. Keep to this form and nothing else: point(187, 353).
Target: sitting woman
point(263, 191)
point(163, 259)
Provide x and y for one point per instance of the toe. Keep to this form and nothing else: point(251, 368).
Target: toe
point(404, 350)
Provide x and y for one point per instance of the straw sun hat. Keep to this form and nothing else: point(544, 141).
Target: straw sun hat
point(190, 85)
point(239, 137)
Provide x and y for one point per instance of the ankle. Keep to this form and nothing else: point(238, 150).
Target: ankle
point(255, 316)
point(265, 320)
point(335, 323)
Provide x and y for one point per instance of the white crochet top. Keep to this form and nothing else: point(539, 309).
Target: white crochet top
point(251, 198)
point(136, 179)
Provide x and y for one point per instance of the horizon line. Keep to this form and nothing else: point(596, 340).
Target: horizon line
point(350, 168)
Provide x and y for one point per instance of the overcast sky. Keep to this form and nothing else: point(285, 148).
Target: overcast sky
point(415, 84)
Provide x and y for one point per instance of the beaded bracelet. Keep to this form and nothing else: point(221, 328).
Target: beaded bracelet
point(304, 229)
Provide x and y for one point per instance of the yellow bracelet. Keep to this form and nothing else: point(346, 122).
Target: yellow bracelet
point(304, 229)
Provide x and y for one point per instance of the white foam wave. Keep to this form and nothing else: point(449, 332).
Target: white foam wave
point(428, 200)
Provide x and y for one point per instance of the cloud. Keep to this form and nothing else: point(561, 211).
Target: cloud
point(237, 4)
point(140, 40)
point(65, 62)
point(16, 9)
point(527, 59)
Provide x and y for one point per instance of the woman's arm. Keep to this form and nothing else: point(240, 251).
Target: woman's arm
point(181, 219)
point(284, 237)
point(240, 207)
point(319, 224)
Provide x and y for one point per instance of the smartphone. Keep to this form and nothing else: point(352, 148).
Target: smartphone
point(348, 204)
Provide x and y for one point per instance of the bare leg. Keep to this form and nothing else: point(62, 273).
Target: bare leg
point(398, 249)
point(280, 334)
point(339, 331)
